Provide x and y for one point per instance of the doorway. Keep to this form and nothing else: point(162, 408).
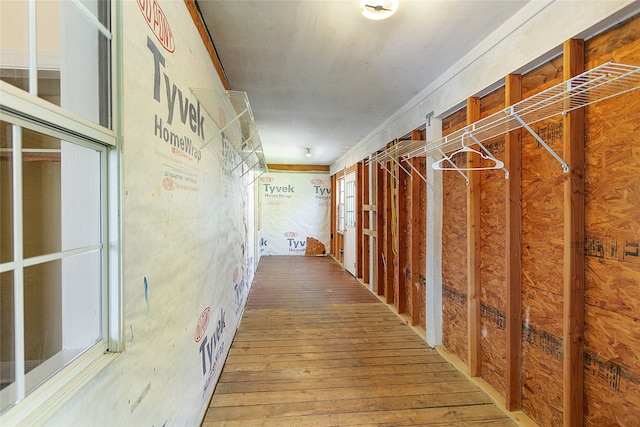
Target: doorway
point(350, 224)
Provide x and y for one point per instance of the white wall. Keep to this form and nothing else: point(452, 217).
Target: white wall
point(188, 249)
point(533, 35)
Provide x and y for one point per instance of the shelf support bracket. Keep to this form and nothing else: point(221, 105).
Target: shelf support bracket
point(488, 153)
point(254, 179)
point(453, 164)
point(246, 110)
point(398, 163)
point(382, 166)
point(555, 155)
point(413, 168)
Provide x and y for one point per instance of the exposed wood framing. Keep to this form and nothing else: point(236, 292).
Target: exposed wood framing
point(334, 210)
point(574, 235)
point(473, 251)
point(513, 251)
point(298, 168)
point(365, 222)
point(381, 229)
point(404, 253)
point(417, 186)
point(358, 213)
point(389, 256)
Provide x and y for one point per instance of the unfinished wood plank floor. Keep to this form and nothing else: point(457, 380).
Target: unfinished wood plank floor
point(315, 348)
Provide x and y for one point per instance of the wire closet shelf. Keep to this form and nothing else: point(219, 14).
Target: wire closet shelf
point(236, 124)
point(600, 83)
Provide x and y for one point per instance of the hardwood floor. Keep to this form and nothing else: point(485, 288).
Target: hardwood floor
point(315, 348)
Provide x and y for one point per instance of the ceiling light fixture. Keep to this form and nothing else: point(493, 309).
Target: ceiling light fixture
point(378, 9)
point(308, 152)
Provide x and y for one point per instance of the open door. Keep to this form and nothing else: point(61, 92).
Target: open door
point(350, 224)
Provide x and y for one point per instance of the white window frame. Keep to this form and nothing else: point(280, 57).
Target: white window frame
point(341, 205)
point(26, 110)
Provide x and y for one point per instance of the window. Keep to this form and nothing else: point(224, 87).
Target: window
point(60, 52)
point(351, 203)
point(57, 180)
point(341, 204)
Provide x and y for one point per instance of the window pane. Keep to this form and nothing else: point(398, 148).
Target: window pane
point(62, 303)
point(14, 43)
point(73, 59)
point(61, 182)
point(7, 341)
point(48, 50)
point(83, 64)
point(6, 192)
point(41, 194)
point(80, 195)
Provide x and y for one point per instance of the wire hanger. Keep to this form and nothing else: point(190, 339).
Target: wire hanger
point(497, 164)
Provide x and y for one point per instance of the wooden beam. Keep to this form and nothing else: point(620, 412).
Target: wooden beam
point(403, 222)
point(334, 214)
point(473, 252)
point(298, 168)
point(381, 228)
point(574, 235)
point(358, 213)
point(368, 232)
point(513, 249)
point(389, 256)
point(369, 207)
point(417, 187)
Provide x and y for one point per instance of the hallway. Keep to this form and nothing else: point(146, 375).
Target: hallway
point(316, 348)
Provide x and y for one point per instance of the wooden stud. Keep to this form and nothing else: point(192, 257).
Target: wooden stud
point(389, 256)
point(574, 235)
point(404, 257)
point(513, 251)
point(381, 229)
point(417, 186)
point(365, 223)
point(473, 251)
point(298, 168)
point(334, 210)
point(358, 214)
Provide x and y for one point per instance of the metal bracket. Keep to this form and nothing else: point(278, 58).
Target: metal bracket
point(555, 155)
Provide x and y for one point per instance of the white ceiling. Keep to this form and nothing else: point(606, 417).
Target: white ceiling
point(320, 75)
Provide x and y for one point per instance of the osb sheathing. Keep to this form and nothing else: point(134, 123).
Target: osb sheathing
point(420, 282)
point(612, 289)
point(492, 254)
point(404, 231)
point(454, 252)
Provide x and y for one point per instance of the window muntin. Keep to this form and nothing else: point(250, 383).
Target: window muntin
point(60, 52)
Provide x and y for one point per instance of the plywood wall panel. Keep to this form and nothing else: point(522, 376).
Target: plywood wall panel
point(542, 259)
point(404, 242)
point(543, 77)
point(421, 269)
point(454, 252)
point(617, 40)
point(612, 368)
point(492, 102)
point(612, 291)
point(492, 269)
